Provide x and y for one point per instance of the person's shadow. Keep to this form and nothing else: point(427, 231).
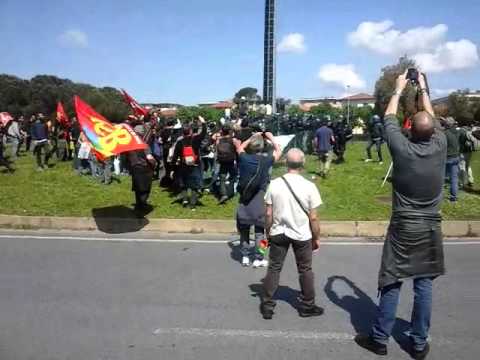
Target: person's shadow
point(363, 310)
point(235, 250)
point(119, 219)
point(283, 293)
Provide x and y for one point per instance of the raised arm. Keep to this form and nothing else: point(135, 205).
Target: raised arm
point(424, 95)
point(277, 152)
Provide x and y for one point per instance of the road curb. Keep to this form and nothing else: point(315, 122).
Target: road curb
point(372, 229)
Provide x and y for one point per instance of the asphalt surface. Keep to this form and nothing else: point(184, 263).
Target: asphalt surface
point(70, 299)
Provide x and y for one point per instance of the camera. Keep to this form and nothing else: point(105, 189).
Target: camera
point(412, 75)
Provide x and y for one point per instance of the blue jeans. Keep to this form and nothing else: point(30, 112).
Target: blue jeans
point(452, 171)
point(421, 314)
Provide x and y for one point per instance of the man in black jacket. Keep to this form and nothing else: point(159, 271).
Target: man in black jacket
point(413, 247)
point(375, 130)
point(142, 165)
point(187, 153)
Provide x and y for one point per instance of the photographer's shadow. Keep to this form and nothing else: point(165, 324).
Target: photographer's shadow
point(363, 310)
point(283, 293)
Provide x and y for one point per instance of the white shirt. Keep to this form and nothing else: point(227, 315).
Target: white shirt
point(288, 216)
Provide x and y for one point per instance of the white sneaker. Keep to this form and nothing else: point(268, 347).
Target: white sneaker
point(245, 261)
point(368, 160)
point(260, 263)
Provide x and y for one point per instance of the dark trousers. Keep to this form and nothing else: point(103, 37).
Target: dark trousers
point(227, 170)
point(279, 245)
point(378, 145)
point(38, 149)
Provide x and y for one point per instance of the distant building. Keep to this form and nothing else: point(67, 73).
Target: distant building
point(473, 96)
point(358, 100)
point(221, 105)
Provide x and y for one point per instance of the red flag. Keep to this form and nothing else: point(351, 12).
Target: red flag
point(5, 118)
point(138, 110)
point(62, 117)
point(407, 123)
point(106, 138)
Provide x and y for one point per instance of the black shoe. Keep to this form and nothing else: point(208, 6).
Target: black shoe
point(421, 355)
point(368, 343)
point(309, 311)
point(266, 312)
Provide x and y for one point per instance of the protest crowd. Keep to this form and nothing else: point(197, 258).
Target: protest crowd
point(237, 155)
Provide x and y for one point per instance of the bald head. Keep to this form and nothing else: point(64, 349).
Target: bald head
point(295, 159)
point(422, 126)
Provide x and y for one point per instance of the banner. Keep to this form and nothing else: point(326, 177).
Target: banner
point(62, 117)
point(138, 110)
point(106, 138)
point(5, 118)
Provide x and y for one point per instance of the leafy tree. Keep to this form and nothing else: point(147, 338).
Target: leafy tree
point(293, 110)
point(42, 92)
point(250, 94)
point(462, 108)
point(322, 110)
point(385, 86)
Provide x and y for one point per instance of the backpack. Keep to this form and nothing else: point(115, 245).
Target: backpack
point(225, 151)
point(188, 155)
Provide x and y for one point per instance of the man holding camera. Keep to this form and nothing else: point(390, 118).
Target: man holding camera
point(413, 246)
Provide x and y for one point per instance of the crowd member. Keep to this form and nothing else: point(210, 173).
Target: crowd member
point(468, 144)
point(342, 133)
point(63, 139)
point(83, 155)
point(254, 174)
point(453, 156)
point(14, 138)
point(226, 157)
point(187, 153)
point(168, 140)
point(40, 142)
point(375, 133)
point(27, 129)
point(74, 138)
point(323, 144)
point(245, 131)
point(413, 246)
point(142, 165)
point(291, 219)
point(3, 161)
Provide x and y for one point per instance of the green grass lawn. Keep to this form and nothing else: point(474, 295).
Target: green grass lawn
point(352, 192)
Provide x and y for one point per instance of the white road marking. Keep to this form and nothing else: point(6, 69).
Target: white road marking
point(271, 334)
point(199, 241)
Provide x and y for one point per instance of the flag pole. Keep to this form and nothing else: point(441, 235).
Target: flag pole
point(387, 175)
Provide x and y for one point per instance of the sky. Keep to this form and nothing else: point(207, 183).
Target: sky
point(198, 51)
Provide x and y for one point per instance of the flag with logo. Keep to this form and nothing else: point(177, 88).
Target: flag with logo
point(62, 117)
point(106, 138)
point(138, 110)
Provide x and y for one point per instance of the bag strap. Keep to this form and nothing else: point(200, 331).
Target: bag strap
point(257, 173)
point(295, 196)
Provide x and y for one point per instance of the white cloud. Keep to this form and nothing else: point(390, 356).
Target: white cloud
point(74, 38)
point(427, 45)
point(294, 43)
point(381, 38)
point(453, 55)
point(341, 76)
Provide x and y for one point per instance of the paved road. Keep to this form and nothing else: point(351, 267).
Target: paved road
point(70, 299)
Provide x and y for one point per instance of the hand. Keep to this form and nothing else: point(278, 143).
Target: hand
point(421, 81)
point(269, 135)
point(202, 120)
point(401, 82)
point(315, 244)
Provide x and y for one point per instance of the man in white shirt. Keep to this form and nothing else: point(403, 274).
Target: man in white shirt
point(291, 219)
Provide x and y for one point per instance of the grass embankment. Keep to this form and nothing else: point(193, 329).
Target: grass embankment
point(352, 192)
